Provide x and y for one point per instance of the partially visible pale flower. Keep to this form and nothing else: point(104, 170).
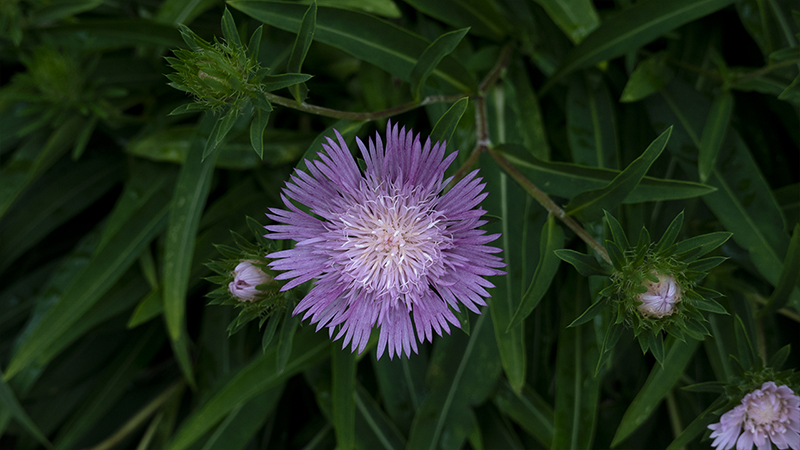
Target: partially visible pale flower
point(246, 277)
point(386, 244)
point(771, 413)
point(660, 299)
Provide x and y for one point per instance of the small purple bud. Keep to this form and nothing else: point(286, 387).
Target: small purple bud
point(246, 277)
point(661, 297)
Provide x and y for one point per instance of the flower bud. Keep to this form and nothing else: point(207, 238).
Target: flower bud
point(661, 297)
point(246, 277)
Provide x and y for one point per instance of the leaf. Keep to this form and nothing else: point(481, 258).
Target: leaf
point(431, 57)
point(188, 202)
point(446, 125)
point(114, 255)
point(528, 410)
point(577, 19)
point(10, 404)
point(110, 34)
point(631, 28)
point(660, 381)
point(371, 415)
point(586, 265)
point(792, 92)
point(229, 31)
point(59, 197)
point(528, 112)
point(181, 11)
point(257, 127)
point(789, 278)
point(670, 234)
point(577, 389)
point(244, 423)
point(482, 17)
point(300, 49)
point(590, 313)
point(650, 76)
point(55, 11)
point(286, 338)
point(552, 240)
point(151, 306)
point(344, 407)
point(370, 39)
point(187, 108)
point(275, 82)
point(592, 203)
point(699, 425)
point(257, 376)
point(591, 123)
point(568, 180)
point(700, 245)
point(714, 133)
point(401, 384)
point(462, 372)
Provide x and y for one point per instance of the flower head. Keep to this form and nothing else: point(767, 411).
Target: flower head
point(771, 413)
point(386, 244)
point(246, 277)
point(661, 296)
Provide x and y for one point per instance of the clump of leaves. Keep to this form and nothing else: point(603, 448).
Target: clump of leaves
point(644, 265)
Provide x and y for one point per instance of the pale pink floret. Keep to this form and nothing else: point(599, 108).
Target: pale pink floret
point(246, 277)
point(770, 414)
point(384, 246)
point(661, 297)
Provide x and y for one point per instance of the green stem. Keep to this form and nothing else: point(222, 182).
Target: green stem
point(365, 116)
point(549, 205)
point(674, 416)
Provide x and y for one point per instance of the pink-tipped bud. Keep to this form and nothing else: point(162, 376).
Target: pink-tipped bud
point(246, 277)
point(661, 297)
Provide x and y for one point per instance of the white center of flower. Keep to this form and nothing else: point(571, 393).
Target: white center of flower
point(392, 243)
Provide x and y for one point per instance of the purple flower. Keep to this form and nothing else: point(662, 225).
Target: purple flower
point(660, 299)
point(246, 277)
point(386, 244)
point(771, 413)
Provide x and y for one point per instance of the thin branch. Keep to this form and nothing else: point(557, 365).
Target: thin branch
point(549, 205)
point(494, 74)
point(366, 116)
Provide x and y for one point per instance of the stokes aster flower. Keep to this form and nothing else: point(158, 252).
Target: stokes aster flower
point(771, 413)
point(246, 277)
point(386, 244)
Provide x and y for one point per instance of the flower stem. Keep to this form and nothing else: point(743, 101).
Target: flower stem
point(365, 116)
point(549, 205)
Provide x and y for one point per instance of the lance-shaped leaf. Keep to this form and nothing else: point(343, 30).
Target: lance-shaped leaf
point(11, 405)
point(229, 31)
point(650, 76)
point(552, 240)
point(300, 49)
point(591, 123)
point(789, 278)
point(481, 17)
point(632, 28)
point(591, 204)
point(344, 407)
point(568, 180)
point(586, 265)
point(661, 380)
point(431, 57)
point(275, 82)
point(575, 18)
point(446, 125)
point(714, 133)
point(528, 409)
point(368, 38)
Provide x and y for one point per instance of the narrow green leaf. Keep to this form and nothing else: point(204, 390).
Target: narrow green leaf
point(462, 372)
point(552, 240)
point(10, 404)
point(257, 376)
point(286, 338)
point(344, 408)
point(301, 44)
point(257, 127)
point(482, 17)
point(229, 31)
point(577, 19)
point(590, 313)
point(709, 305)
point(243, 424)
point(529, 410)
point(187, 108)
point(110, 261)
point(586, 265)
point(188, 202)
point(632, 28)
point(401, 384)
point(275, 82)
point(789, 278)
point(577, 389)
point(592, 203)
point(431, 57)
point(568, 180)
point(792, 92)
point(617, 233)
point(714, 133)
point(446, 125)
point(650, 76)
point(254, 45)
point(269, 332)
point(660, 381)
point(670, 234)
point(386, 435)
point(698, 246)
point(591, 122)
point(744, 346)
point(699, 425)
point(388, 46)
point(777, 360)
point(151, 306)
point(528, 112)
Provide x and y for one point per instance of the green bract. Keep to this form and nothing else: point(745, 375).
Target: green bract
point(637, 267)
point(269, 299)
